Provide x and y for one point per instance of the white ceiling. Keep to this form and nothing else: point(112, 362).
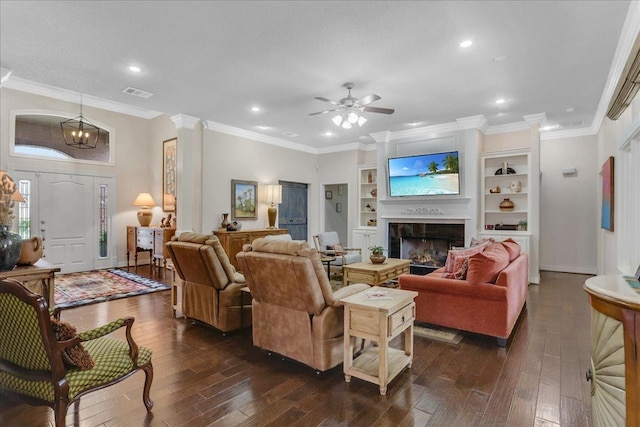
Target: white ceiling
point(214, 60)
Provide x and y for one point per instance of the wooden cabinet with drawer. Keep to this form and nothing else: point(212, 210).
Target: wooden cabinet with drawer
point(148, 239)
point(232, 241)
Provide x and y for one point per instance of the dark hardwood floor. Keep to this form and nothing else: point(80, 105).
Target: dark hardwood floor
point(203, 378)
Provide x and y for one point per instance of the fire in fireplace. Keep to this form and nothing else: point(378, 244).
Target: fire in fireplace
point(426, 245)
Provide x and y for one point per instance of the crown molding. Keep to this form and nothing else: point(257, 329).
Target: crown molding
point(568, 133)
point(539, 119)
point(630, 31)
point(42, 89)
point(346, 147)
point(508, 127)
point(185, 121)
point(243, 133)
point(473, 122)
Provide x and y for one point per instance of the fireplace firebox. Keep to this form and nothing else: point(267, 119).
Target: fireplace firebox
point(426, 245)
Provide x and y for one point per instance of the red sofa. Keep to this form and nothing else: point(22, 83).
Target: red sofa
point(488, 301)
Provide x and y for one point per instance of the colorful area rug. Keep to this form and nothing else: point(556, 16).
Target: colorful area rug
point(90, 287)
point(438, 333)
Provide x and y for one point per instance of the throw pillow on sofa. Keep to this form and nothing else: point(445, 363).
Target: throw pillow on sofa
point(484, 267)
point(512, 247)
point(450, 267)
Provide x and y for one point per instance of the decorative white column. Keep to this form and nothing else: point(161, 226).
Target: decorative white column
point(189, 168)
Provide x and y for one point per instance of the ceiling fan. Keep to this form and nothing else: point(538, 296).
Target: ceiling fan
point(348, 108)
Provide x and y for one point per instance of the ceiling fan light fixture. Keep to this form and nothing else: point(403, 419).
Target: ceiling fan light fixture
point(361, 121)
point(352, 117)
point(337, 119)
point(346, 124)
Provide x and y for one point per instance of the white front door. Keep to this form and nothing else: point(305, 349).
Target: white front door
point(73, 215)
point(66, 220)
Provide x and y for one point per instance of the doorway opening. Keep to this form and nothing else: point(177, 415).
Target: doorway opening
point(336, 212)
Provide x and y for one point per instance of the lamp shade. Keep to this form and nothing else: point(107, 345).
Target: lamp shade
point(144, 199)
point(274, 194)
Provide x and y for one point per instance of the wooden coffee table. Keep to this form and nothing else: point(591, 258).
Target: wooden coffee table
point(375, 274)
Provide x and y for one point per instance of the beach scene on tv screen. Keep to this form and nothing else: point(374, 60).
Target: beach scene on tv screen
point(429, 174)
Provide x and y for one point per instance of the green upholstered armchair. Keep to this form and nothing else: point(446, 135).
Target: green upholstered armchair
point(31, 358)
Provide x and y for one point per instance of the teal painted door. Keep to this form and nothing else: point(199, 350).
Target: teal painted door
point(292, 214)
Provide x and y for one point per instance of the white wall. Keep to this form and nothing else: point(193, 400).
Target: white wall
point(137, 165)
point(568, 205)
point(609, 137)
point(226, 157)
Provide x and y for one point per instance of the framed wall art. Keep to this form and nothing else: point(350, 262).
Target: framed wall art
point(243, 199)
point(169, 174)
point(607, 195)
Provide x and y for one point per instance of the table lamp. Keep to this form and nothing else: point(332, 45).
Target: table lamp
point(274, 196)
point(144, 200)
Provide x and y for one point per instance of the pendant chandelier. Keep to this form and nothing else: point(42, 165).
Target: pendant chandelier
point(80, 132)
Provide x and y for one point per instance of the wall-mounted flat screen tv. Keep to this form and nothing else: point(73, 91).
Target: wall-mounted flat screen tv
point(424, 175)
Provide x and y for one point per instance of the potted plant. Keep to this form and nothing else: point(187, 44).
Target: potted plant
point(522, 225)
point(377, 254)
point(10, 242)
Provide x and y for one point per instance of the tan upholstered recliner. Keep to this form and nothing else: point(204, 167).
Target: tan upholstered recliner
point(211, 289)
point(295, 311)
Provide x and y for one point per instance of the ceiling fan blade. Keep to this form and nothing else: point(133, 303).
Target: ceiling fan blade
point(319, 98)
point(326, 111)
point(378, 110)
point(368, 99)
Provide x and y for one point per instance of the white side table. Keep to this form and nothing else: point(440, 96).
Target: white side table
point(378, 320)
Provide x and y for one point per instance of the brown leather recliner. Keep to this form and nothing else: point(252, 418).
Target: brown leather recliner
point(295, 311)
point(211, 289)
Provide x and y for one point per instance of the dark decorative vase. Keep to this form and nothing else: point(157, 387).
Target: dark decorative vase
point(10, 248)
point(377, 259)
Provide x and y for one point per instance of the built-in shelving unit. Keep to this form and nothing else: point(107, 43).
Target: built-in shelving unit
point(497, 186)
point(365, 234)
point(367, 182)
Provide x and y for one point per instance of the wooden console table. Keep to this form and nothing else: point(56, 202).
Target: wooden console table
point(615, 339)
point(39, 278)
point(148, 239)
point(378, 320)
point(233, 241)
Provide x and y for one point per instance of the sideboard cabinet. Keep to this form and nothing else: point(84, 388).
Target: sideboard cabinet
point(615, 337)
point(232, 241)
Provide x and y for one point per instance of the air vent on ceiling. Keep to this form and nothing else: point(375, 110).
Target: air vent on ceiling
point(137, 92)
point(628, 85)
point(290, 134)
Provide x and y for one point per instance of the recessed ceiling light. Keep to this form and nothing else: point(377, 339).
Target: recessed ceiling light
point(570, 110)
point(500, 101)
point(414, 123)
point(328, 133)
point(466, 43)
point(134, 68)
point(255, 108)
point(263, 127)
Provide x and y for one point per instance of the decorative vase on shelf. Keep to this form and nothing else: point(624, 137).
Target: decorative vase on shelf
point(516, 186)
point(507, 205)
point(370, 178)
point(374, 192)
point(10, 248)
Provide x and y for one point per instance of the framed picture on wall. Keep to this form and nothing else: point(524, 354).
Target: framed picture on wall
point(607, 195)
point(169, 174)
point(243, 199)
